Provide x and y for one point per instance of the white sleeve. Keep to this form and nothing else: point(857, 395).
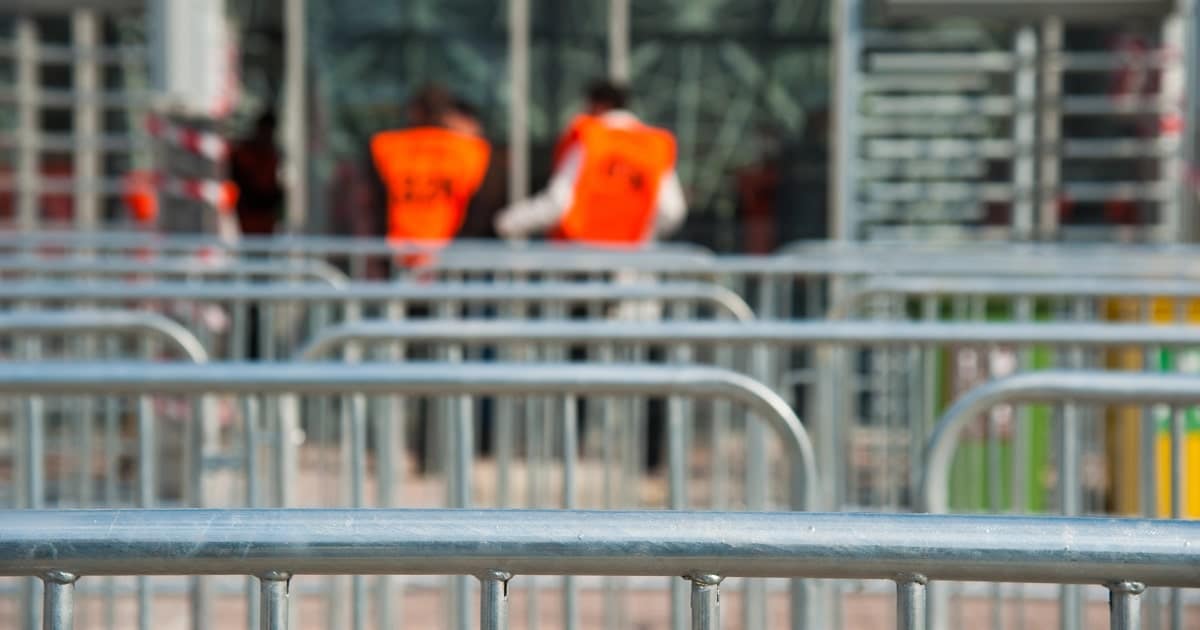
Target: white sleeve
point(545, 210)
point(671, 207)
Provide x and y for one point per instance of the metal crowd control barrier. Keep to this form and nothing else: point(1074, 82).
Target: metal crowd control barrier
point(112, 379)
point(355, 253)
point(1074, 387)
point(124, 242)
point(830, 405)
point(317, 306)
point(299, 269)
point(497, 547)
point(81, 322)
point(30, 326)
point(1017, 289)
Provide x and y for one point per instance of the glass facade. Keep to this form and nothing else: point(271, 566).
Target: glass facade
point(743, 85)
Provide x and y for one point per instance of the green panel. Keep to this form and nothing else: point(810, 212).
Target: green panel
point(969, 483)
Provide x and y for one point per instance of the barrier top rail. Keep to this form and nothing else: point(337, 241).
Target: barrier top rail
point(807, 259)
point(859, 333)
point(723, 298)
point(659, 543)
point(1130, 388)
point(1011, 287)
point(316, 269)
point(25, 322)
point(848, 263)
point(115, 378)
point(285, 244)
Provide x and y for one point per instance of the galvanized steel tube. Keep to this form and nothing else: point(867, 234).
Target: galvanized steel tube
point(273, 598)
point(706, 602)
point(1080, 386)
point(52, 322)
point(506, 293)
point(910, 602)
point(856, 333)
point(1125, 605)
point(58, 611)
point(648, 543)
point(493, 608)
point(316, 270)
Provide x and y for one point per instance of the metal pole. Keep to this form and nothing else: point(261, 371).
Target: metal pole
point(847, 48)
point(85, 161)
point(274, 600)
point(295, 84)
point(1125, 605)
point(1173, 169)
point(34, 470)
point(570, 445)
point(560, 542)
point(518, 102)
point(677, 491)
point(493, 609)
point(463, 447)
point(1025, 134)
point(706, 602)
point(59, 601)
point(1178, 494)
point(1051, 127)
point(618, 40)
point(28, 122)
point(910, 602)
point(1189, 185)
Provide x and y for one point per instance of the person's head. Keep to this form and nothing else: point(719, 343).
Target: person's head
point(265, 124)
point(604, 95)
point(463, 118)
point(429, 106)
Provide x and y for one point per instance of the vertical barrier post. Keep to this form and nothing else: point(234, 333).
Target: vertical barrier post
point(493, 608)
point(677, 471)
point(1125, 605)
point(910, 602)
point(757, 473)
point(570, 456)
point(1178, 466)
point(706, 602)
point(274, 598)
point(58, 611)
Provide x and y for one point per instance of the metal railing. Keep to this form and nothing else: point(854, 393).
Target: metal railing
point(1011, 288)
point(721, 298)
point(86, 322)
point(81, 267)
point(831, 401)
point(1073, 388)
point(290, 379)
point(499, 546)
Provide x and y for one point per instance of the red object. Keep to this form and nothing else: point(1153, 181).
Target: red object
point(618, 183)
point(140, 196)
point(430, 174)
point(211, 145)
point(570, 136)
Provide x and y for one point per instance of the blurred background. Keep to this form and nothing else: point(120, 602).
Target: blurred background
point(795, 119)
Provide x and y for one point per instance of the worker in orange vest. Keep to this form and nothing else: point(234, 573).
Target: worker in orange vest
point(430, 171)
point(614, 180)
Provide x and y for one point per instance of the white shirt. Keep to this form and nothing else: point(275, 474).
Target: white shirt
point(547, 209)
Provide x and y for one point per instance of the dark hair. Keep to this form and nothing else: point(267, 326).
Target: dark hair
point(465, 107)
point(266, 120)
point(609, 94)
point(428, 105)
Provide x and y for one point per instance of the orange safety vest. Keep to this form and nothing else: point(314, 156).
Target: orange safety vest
point(570, 136)
point(430, 174)
point(617, 188)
